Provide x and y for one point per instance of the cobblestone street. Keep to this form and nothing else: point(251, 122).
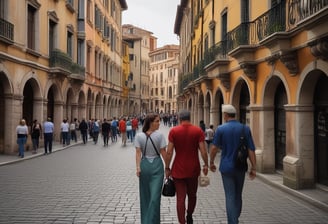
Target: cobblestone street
point(95, 184)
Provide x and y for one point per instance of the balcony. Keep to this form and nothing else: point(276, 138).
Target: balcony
point(61, 64)
point(6, 32)
point(273, 29)
point(78, 72)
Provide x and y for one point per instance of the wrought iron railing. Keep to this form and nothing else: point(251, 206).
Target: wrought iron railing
point(6, 30)
point(60, 59)
point(268, 23)
point(185, 80)
point(299, 10)
point(282, 18)
point(219, 50)
point(238, 36)
point(64, 61)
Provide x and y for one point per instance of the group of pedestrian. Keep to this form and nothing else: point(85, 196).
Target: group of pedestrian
point(109, 129)
point(187, 143)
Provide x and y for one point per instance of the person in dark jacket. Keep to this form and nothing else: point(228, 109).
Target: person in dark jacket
point(35, 134)
point(84, 130)
point(105, 130)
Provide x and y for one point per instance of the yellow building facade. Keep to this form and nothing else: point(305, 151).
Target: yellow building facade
point(268, 59)
point(58, 59)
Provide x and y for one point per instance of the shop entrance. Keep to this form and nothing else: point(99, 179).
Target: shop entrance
point(321, 130)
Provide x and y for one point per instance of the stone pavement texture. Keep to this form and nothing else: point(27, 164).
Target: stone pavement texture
point(95, 184)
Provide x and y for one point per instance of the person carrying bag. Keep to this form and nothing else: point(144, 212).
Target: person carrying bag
point(150, 149)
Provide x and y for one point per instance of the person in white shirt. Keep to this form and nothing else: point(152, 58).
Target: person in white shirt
point(209, 135)
point(65, 129)
point(22, 132)
point(48, 130)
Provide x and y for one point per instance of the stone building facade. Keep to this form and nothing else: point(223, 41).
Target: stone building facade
point(163, 75)
point(140, 43)
point(268, 59)
point(58, 59)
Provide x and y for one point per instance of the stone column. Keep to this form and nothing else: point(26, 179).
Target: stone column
point(262, 128)
point(214, 116)
point(299, 160)
point(58, 118)
point(74, 111)
point(82, 111)
point(13, 114)
point(207, 114)
point(38, 109)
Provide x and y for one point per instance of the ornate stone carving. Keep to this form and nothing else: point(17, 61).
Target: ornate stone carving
point(319, 48)
point(289, 59)
point(249, 70)
point(272, 59)
point(225, 79)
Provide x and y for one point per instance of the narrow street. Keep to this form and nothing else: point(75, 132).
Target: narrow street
point(96, 184)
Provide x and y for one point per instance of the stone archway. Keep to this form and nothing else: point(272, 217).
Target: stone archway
point(207, 109)
point(5, 133)
point(321, 130)
point(241, 100)
point(82, 112)
point(200, 108)
point(32, 103)
point(312, 137)
point(273, 114)
point(217, 116)
point(98, 107)
point(70, 105)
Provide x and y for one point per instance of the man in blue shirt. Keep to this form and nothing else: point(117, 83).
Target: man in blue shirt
point(227, 137)
point(48, 128)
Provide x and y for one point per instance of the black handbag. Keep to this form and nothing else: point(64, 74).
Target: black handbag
point(168, 188)
point(242, 153)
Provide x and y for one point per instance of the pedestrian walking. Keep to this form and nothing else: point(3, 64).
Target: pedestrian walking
point(186, 139)
point(72, 129)
point(129, 129)
point(64, 127)
point(122, 129)
point(48, 130)
point(36, 132)
point(227, 138)
point(95, 131)
point(105, 130)
point(83, 126)
point(150, 147)
point(114, 127)
point(209, 135)
point(202, 125)
point(22, 133)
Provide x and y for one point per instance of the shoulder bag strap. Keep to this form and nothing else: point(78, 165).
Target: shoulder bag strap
point(154, 145)
point(148, 136)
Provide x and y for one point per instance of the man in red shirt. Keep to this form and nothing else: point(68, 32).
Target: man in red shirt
point(122, 129)
point(186, 139)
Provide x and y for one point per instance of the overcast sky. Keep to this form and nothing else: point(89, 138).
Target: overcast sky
point(156, 16)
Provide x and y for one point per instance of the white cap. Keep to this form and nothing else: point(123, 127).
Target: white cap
point(229, 109)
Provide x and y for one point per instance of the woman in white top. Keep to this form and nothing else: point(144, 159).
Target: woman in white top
point(22, 132)
point(150, 147)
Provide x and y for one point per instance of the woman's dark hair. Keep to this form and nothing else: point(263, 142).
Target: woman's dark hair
point(149, 118)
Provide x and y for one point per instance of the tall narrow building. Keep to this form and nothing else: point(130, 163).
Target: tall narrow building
point(58, 59)
point(140, 43)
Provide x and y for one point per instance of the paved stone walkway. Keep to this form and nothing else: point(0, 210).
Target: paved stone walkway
point(95, 184)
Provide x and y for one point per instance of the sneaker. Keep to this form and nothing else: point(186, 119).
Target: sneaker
point(189, 219)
